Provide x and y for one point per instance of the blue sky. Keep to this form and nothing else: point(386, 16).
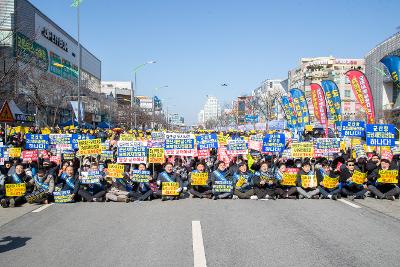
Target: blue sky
point(200, 44)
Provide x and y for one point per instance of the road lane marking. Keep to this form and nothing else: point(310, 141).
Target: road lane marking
point(198, 247)
point(45, 206)
point(349, 203)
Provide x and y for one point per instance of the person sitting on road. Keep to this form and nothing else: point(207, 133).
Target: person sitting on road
point(284, 191)
point(70, 182)
point(221, 178)
point(168, 176)
point(264, 183)
point(332, 190)
point(200, 191)
point(381, 189)
point(306, 172)
point(141, 190)
point(43, 183)
point(243, 181)
point(92, 192)
point(350, 189)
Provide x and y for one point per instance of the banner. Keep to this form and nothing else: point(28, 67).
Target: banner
point(353, 129)
point(381, 135)
point(273, 143)
point(332, 96)
point(358, 177)
point(170, 189)
point(388, 176)
point(37, 141)
point(301, 107)
point(302, 150)
point(318, 100)
point(90, 177)
point(140, 176)
point(64, 196)
point(236, 147)
point(207, 141)
point(15, 190)
point(392, 63)
point(137, 153)
point(329, 182)
point(309, 181)
point(115, 170)
point(199, 178)
point(362, 91)
point(288, 109)
point(179, 144)
point(89, 147)
point(326, 147)
point(223, 186)
point(156, 155)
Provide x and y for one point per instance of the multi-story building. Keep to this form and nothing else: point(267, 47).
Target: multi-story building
point(386, 97)
point(122, 91)
point(210, 111)
point(200, 117)
point(314, 70)
point(40, 65)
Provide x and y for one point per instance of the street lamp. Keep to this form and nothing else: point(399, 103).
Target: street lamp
point(135, 70)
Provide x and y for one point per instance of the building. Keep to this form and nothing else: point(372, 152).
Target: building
point(175, 119)
point(145, 103)
point(40, 66)
point(266, 99)
point(122, 91)
point(386, 99)
point(314, 70)
point(210, 112)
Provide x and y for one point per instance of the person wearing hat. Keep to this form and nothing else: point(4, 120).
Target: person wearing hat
point(243, 182)
point(306, 172)
point(328, 191)
point(350, 189)
point(381, 189)
point(200, 191)
point(221, 177)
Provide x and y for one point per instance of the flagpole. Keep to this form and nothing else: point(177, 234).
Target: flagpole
point(79, 69)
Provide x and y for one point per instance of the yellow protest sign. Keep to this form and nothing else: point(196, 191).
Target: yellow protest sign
point(46, 131)
point(303, 150)
point(156, 155)
point(15, 190)
point(89, 147)
point(127, 137)
point(308, 181)
point(329, 182)
point(388, 176)
point(358, 177)
point(241, 181)
point(199, 178)
point(343, 145)
point(170, 189)
point(355, 141)
point(309, 128)
point(14, 152)
point(115, 170)
point(222, 140)
point(289, 179)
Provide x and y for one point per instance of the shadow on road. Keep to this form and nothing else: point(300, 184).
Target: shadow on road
point(10, 243)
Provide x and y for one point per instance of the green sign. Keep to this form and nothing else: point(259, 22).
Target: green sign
point(31, 52)
point(62, 67)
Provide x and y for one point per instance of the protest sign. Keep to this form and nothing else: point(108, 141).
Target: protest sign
point(387, 154)
point(137, 153)
point(127, 137)
point(388, 176)
point(199, 178)
point(222, 154)
point(170, 189)
point(61, 141)
point(115, 170)
point(78, 137)
point(330, 182)
point(326, 147)
point(353, 129)
point(203, 153)
point(140, 176)
point(64, 196)
point(309, 181)
point(222, 140)
point(15, 190)
point(14, 152)
point(256, 142)
point(37, 141)
point(106, 154)
point(55, 159)
point(289, 179)
point(158, 136)
point(179, 144)
point(236, 147)
point(90, 177)
point(358, 177)
point(207, 141)
point(89, 147)
point(36, 196)
point(29, 155)
point(223, 186)
point(68, 155)
point(381, 135)
point(273, 143)
point(156, 155)
point(302, 150)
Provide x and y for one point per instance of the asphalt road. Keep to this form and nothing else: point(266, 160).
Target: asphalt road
point(234, 232)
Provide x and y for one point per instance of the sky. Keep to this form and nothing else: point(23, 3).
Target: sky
point(198, 45)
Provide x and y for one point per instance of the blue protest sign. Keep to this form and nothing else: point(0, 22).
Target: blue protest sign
point(273, 143)
point(381, 135)
point(207, 141)
point(353, 128)
point(37, 141)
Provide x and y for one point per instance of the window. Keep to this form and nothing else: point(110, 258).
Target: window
point(347, 93)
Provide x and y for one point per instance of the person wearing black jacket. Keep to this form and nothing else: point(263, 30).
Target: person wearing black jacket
point(200, 191)
point(168, 175)
point(325, 190)
point(350, 189)
point(306, 172)
point(92, 192)
point(69, 181)
point(379, 189)
point(141, 190)
point(222, 177)
point(264, 183)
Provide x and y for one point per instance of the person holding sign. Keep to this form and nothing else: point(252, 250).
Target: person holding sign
point(353, 181)
point(43, 183)
point(221, 181)
point(307, 182)
point(92, 185)
point(171, 180)
point(383, 181)
point(287, 182)
point(16, 186)
point(328, 181)
point(199, 182)
point(242, 180)
point(264, 183)
point(141, 179)
point(69, 181)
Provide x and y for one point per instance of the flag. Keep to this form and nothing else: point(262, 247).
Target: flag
point(318, 100)
point(332, 96)
point(76, 3)
point(392, 63)
point(301, 107)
